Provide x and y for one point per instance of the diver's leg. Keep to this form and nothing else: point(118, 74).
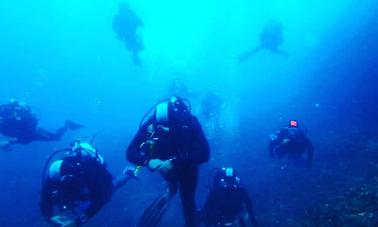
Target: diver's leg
point(188, 185)
point(281, 52)
point(245, 56)
point(44, 135)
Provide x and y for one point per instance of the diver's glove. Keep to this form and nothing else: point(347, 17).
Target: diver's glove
point(161, 166)
point(62, 221)
point(131, 172)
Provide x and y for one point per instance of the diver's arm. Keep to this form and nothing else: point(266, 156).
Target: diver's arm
point(120, 181)
point(211, 202)
point(249, 207)
point(46, 203)
point(133, 153)
point(272, 146)
point(206, 214)
point(274, 141)
point(246, 55)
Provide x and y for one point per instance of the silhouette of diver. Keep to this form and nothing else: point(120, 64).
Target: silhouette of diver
point(20, 125)
point(127, 25)
point(271, 39)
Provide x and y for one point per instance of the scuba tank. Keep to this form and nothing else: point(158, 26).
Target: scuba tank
point(78, 150)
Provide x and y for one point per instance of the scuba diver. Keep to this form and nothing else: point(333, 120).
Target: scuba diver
point(211, 106)
point(228, 203)
point(292, 142)
point(77, 186)
point(271, 39)
point(172, 143)
point(127, 25)
point(209, 112)
point(19, 123)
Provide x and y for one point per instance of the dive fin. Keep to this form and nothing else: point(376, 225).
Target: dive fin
point(72, 125)
point(153, 214)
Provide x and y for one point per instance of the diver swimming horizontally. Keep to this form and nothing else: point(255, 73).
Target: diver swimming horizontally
point(127, 25)
point(271, 39)
point(20, 125)
point(78, 185)
point(172, 143)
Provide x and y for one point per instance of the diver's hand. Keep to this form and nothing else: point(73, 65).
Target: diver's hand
point(160, 165)
point(153, 164)
point(62, 221)
point(165, 166)
point(129, 170)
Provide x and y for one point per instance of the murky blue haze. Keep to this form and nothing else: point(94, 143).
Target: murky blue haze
point(64, 59)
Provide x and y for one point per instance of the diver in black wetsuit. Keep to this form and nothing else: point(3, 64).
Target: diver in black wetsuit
point(77, 186)
point(127, 25)
point(271, 38)
point(19, 123)
point(172, 143)
point(291, 142)
point(228, 203)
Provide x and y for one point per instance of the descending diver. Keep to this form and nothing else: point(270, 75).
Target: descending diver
point(127, 25)
point(209, 112)
point(19, 123)
point(292, 142)
point(270, 39)
point(172, 143)
point(77, 186)
point(210, 107)
point(228, 203)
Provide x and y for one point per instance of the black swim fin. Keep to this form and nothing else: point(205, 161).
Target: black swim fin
point(154, 213)
point(72, 125)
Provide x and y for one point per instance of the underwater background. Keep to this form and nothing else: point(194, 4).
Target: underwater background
point(64, 59)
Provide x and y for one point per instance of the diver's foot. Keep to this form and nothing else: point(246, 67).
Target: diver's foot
point(72, 125)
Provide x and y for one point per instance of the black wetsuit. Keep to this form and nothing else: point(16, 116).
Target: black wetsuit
point(19, 122)
point(90, 189)
point(227, 206)
point(186, 145)
point(291, 142)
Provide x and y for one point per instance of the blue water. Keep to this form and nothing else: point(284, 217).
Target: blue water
point(64, 59)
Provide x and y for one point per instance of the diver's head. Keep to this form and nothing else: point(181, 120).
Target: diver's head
point(293, 124)
point(85, 150)
point(226, 179)
point(124, 7)
point(69, 184)
point(173, 111)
